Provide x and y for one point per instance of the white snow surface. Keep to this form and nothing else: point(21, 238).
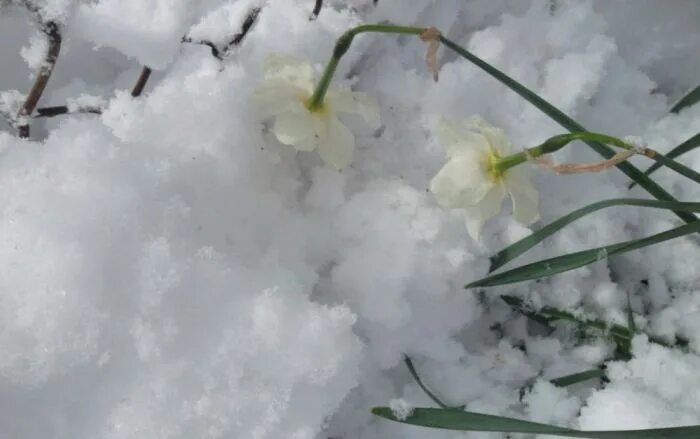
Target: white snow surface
point(169, 270)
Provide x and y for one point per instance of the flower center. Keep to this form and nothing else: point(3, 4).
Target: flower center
point(493, 169)
point(320, 109)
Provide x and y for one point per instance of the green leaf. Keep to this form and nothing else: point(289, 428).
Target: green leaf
point(679, 150)
point(414, 373)
point(560, 264)
point(452, 419)
point(686, 101)
point(678, 167)
point(516, 249)
point(576, 378)
point(546, 315)
point(562, 119)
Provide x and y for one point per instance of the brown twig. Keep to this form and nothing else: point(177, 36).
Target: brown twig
point(58, 110)
point(63, 109)
point(54, 35)
point(316, 10)
point(141, 82)
point(247, 25)
point(215, 52)
point(237, 39)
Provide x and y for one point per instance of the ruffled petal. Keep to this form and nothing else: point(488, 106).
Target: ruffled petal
point(337, 148)
point(524, 195)
point(291, 70)
point(490, 205)
point(457, 140)
point(461, 182)
point(276, 97)
point(496, 137)
point(359, 103)
point(299, 130)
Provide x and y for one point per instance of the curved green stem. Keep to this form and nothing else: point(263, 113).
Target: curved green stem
point(342, 45)
point(554, 144)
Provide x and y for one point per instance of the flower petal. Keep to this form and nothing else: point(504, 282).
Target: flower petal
point(276, 97)
point(461, 182)
point(359, 103)
point(490, 205)
point(524, 195)
point(290, 70)
point(299, 130)
point(495, 137)
point(457, 140)
point(337, 148)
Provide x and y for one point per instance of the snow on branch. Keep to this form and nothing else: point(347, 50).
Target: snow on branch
point(237, 39)
point(53, 34)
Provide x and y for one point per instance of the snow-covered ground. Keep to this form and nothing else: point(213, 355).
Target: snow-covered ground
point(170, 270)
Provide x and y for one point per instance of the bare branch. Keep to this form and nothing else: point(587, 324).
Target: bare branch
point(214, 50)
point(237, 39)
point(53, 34)
point(317, 9)
point(141, 82)
point(63, 109)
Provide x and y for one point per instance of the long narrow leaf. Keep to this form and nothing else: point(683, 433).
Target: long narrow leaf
point(576, 378)
point(677, 167)
point(518, 248)
point(452, 419)
point(560, 264)
point(686, 101)
point(414, 373)
point(679, 150)
point(562, 119)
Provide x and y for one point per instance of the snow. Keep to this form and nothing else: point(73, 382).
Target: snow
point(171, 270)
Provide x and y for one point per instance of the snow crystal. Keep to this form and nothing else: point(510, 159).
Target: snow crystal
point(35, 53)
point(400, 408)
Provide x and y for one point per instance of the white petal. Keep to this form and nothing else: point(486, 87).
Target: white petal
point(276, 97)
point(461, 182)
point(290, 70)
point(475, 216)
point(359, 103)
point(337, 149)
point(495, 137)
point(524, 195)
point(457, 140)
point(299, 130)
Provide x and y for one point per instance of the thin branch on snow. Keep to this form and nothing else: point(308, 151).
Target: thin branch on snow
point(317, 9)
point(237, 39)
point(63, 109)
point(247, 25)
point(214, 50)
point(141, 82)
point(52, 32)
point(59, 110)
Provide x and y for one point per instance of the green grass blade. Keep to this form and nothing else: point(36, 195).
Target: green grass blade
point(677, 167)
point(679, 150)
point(562, 119)
point(576, 378)
point(560, 264)
point(414, 373)
point(518, 248)
point(452, 419)
point(686, 101)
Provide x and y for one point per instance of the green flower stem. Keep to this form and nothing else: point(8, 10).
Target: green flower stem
point(554, 144)
point(342, 45)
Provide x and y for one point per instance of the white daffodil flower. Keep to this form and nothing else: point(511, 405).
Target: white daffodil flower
point(288, 85)
point(470, 181)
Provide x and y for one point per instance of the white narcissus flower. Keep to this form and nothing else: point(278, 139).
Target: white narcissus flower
point(288, 85)
point(469, 181)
